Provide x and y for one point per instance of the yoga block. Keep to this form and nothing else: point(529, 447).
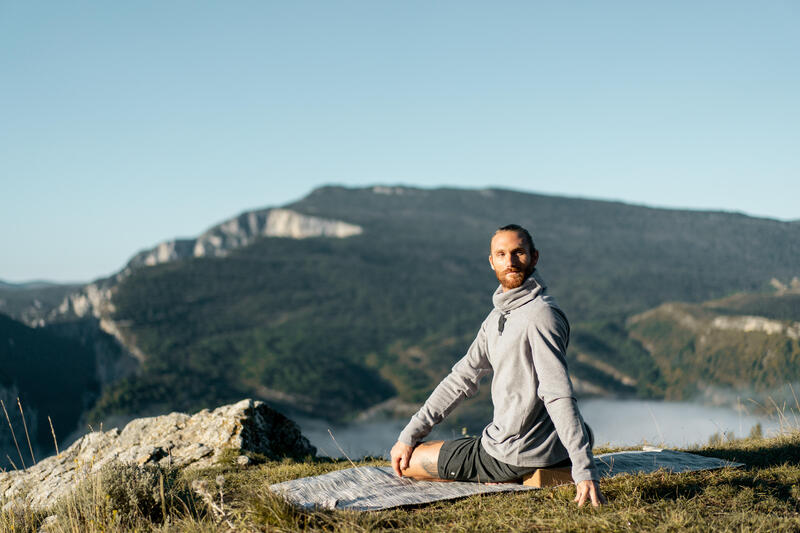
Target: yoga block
point(548, 477)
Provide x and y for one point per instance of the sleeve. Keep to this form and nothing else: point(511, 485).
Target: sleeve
point(549, 338)
point(462, 382)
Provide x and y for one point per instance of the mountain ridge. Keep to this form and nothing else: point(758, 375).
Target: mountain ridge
point(32, 284)
point(600, 258)
point(300, 318)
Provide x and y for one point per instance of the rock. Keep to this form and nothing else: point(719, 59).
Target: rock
point(176, 439)
point(242, 460)
point(48, 524)
point(243, 230)
point(759, 324)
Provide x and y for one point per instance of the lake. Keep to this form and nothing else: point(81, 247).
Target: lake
point(614, 422)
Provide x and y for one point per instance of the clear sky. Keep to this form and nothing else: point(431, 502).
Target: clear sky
point(123, 124)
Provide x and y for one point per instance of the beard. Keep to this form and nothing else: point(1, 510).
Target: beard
point(511, 278)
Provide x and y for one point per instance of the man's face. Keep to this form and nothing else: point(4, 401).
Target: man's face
point(511, 259)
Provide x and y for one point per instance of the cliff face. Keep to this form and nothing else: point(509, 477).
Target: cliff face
point(94, 301)
point(758, 324)
point(243, 230)
point(86, 313)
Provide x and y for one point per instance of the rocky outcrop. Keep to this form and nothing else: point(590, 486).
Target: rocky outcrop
point(176, 439)
point(243, 230)
point(792, 287)
point(95, 299)
point(758, 324)
point(700, 320)
point(92, 304)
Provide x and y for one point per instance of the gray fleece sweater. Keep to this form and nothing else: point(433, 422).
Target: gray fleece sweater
point(536, 420)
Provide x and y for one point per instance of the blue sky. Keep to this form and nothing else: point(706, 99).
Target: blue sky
point(123, 124)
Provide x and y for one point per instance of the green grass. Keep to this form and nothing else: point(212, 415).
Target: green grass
point(762, 496)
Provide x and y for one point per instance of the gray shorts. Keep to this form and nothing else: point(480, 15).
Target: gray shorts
point(465, 459)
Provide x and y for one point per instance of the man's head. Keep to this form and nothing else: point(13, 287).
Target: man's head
point(512, 256)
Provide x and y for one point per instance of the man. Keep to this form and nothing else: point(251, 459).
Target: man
point(536, 420)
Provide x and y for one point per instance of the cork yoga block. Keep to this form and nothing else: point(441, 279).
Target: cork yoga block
point(548, 477)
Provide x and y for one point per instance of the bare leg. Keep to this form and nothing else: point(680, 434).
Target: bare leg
point(424, 463)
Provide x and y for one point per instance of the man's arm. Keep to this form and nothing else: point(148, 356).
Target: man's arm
point(549, 338)
point(462, 382)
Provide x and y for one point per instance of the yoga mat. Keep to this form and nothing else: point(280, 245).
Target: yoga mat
point(371, 488)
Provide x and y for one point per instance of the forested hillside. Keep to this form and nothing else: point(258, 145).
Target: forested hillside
point(746, 343)
point(334, 326)
point(53, 376)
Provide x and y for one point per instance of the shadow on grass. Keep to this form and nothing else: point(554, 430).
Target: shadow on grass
point(719, 491)
point(758, 456)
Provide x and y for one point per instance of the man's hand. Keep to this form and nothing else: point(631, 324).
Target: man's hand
point(401, 455)
point(591, 489)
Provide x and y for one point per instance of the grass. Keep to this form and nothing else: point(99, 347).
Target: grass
point(763, 496)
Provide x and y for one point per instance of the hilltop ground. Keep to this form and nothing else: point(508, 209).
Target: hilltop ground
point(762, 496)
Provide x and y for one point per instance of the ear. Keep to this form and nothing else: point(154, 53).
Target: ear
point(535, 257)
point(491, 262)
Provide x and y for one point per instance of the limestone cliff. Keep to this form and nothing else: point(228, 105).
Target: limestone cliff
point(94, 301)
point(243, 230)
point(86, 313)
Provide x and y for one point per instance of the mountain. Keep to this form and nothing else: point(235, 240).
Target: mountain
point(36, 284)
point(242, 231)
point(352, 298)
point(744, 344)
point(29, 301)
